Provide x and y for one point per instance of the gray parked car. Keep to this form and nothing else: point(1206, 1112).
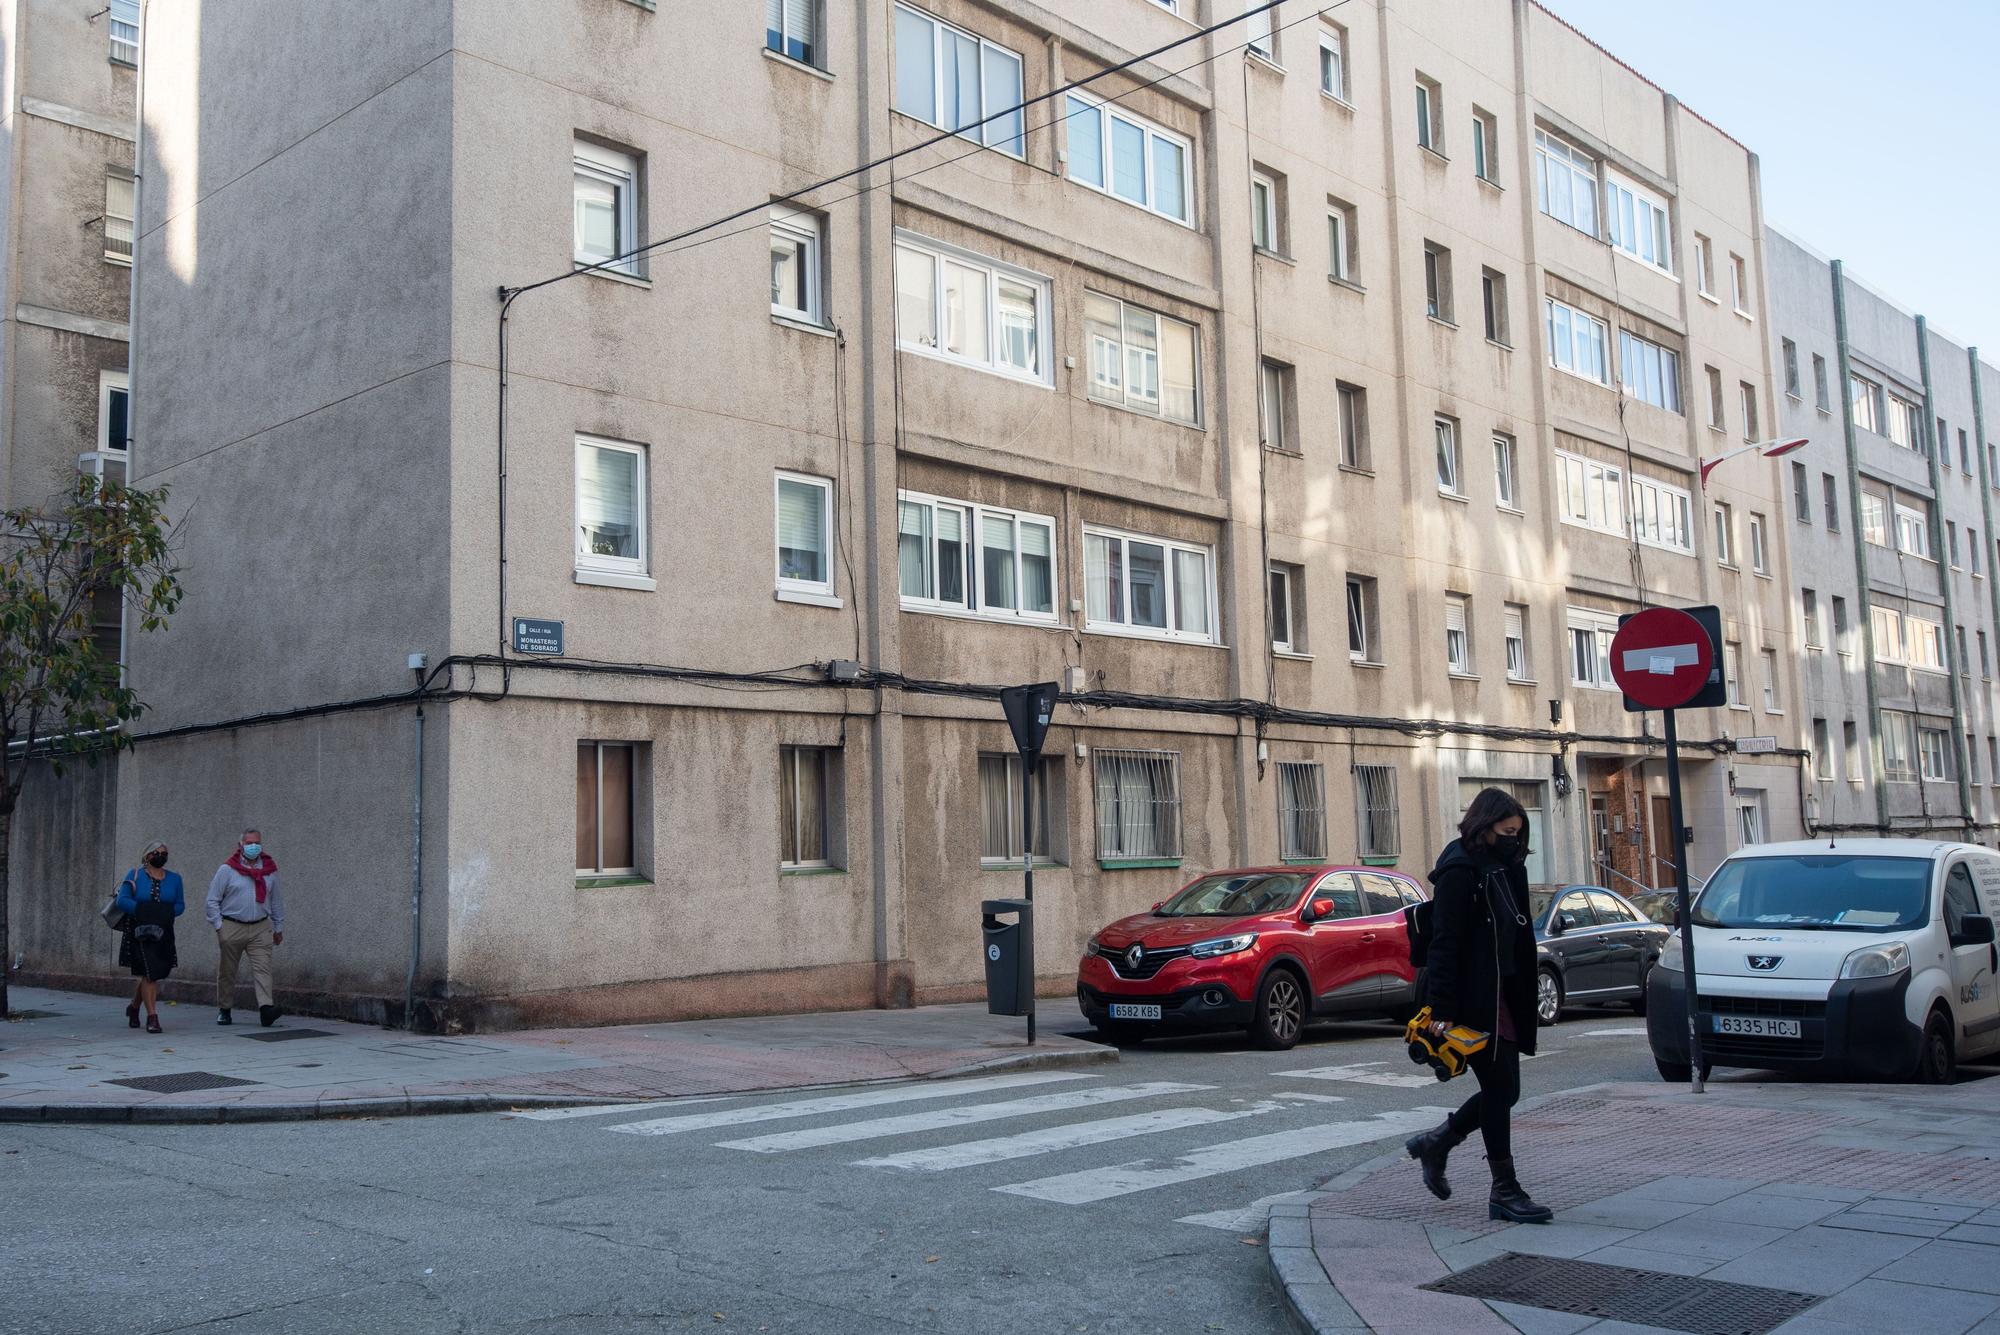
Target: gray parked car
point(1594, 947)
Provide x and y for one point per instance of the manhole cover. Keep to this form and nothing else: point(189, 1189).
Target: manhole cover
point(285, 1035)
point(181, 1082)
point(1620, 1293)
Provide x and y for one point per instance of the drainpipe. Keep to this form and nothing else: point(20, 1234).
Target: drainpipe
point(1944, 574)
point(416, 856)
point(1985, 498)
point(1866, 612)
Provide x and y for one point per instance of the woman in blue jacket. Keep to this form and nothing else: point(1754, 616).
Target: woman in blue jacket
point(151, 897)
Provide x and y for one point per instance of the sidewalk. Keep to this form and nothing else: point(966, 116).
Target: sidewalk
point(74, 1059)
point(1760, 1205)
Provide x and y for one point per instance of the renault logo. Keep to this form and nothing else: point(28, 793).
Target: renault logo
point(1765, 963)
point(1134, 955)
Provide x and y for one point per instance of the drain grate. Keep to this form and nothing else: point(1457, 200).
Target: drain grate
point(181, 1082)
point(284, 1035)
point(1620, 1293)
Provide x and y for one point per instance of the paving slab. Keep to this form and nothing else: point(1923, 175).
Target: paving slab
point(1816, 1260)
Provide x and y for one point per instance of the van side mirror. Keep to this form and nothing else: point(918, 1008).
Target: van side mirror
point(1974, 929)
point(1318, 909)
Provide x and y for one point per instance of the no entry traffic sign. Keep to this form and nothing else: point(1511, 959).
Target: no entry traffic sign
point(1661, 658)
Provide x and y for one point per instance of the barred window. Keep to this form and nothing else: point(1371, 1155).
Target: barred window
point(1301, 811)
point(1375, 795)
point(1000, 808)
point(1138, 804)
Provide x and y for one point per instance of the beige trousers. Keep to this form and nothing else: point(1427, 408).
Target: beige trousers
point(236, 940)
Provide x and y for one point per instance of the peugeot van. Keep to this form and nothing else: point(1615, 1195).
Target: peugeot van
point(1862, 958)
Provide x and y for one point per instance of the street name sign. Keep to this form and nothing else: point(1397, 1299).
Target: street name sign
point(535, 636)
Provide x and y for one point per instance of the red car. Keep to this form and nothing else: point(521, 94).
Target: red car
point(1267, 949)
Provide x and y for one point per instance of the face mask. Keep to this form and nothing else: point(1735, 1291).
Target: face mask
point(1508, 846)
point(253, 851)
point(157, 860)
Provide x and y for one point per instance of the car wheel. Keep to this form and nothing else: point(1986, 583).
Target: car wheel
point(1936, 1064)
point(1548, 997)
point(1281, 1011)
point(1639, 1002)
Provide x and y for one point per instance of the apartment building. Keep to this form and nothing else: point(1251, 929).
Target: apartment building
point(1890, 523)
point(1308, 399)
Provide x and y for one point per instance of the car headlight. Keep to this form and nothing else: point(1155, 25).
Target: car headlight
point(1090, 946)
point(1222, 945)
point(1883, 961)
point(1670, 954)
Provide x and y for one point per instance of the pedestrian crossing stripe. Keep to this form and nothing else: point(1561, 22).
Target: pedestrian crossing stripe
point(998, 1149)
point(940, 1119)
point(1361, 1073)
point(837, 1103)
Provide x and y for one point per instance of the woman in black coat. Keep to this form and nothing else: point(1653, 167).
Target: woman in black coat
point(1481, 973)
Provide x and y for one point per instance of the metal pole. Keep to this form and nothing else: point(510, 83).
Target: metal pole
point(1682, 912)
point(416, 871)
point(1028, 875)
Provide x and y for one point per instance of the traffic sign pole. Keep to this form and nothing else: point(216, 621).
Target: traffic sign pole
point(1028, 710)
point(1682, 911)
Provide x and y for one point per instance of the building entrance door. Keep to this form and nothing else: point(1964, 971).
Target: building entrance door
point(1600, 838)
point(1663, 844)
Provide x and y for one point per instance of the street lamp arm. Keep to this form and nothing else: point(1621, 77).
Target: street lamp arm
point(1771, 449)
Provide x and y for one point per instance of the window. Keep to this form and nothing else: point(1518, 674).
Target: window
point(952, 556)
point(114, 410)
point(1868, 409)
point(118, 217)
point(1274, 392)
point(1732, 653)
point(1992, 759)
point(1565, 183)
point(1341, 257)
point(1739, 284)
point(1840, 636)
point(1704, 265)
point(1899, 745)
point(951, 79)
point(1637, 221)
point(1850, 751)
point(791, 28)
point(1923, 641)
point(1333, 62)
point(1493, 297)
point(1375, 795)
point(605, 776)
point(1964, 451)
point(966, 308)
point(1750, 820)
point(1801, 494)
point(1514, 620)
point(1964, 658)
point(1767, 660)
point(805, 806)
point(1822, 750)
point(1591, 493)
point(607, 209)
point(1577, 343)
point(1913, 529)
point(1448, 471)
point(1353, 424)
point(1759, 555)
point(1931, 746)
point(1830, 500)
point(1888, 626)
point(1458, 634)
point(1874, 518)
point(610, 508)
point(1114, 151)
point(1301, 812)
point(1809, 618)
point(1363, 629)
point(1903, 429)
point(1725, 534)
point(1287, 607)
point(1485, 146)
point(1147, 586)
point(1985, 661)
point(1142, 360)
point(1651, 373)
point(1259, 34)
point(1138, 804)
point(796, 265)
point(1264, 212)
point(805, 535)
point(1506, 480)
point(1971, 760)
point(1662, 516)
point(1430, 126)
point(1590, 636)
point(1437, 282)
point(1790, 351)
point(1747, 393)
point(1819, 382)
point(1717, 418)
point(1951, 543)
point(1000, 807)
point(125, 32)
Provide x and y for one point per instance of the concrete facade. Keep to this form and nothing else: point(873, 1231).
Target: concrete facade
point(320, 343)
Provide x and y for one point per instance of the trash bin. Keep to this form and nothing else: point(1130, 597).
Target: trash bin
point(1010, 955)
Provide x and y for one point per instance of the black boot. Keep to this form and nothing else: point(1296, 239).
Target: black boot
point(1509, 1202)
point(1430, 1150)
point(222, 1017)
point(268, 1015)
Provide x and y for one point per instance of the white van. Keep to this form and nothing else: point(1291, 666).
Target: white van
point(1871, 959)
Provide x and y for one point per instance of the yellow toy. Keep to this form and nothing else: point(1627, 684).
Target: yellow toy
point(1445, 1054)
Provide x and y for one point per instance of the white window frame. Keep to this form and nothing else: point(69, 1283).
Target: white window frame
point(939, 252)
point(1760, 551)
point(1767, 663)
point(1649, 238)
point(1170, 588)
point(1458, 634)
point(1822, 735)
point(1514, 621)
point(1506, 472)
point(1724, 516)
point(1045, 780)
point(1078, 104)
point(1579, 170)
point(1657, 369)
point(1739, 282)
point(118, 226)
point(1662, 515)
point(1899, 746)
point(1333, 63)
point(1260, 35)
point(973, 540)
point(1887, 624)
point(1430, 114)
point(804, 590)
point(798, 756)
point(1485, 146)
point(1564, 323)
point(1932, 767)
point(1913, 532)
point(1351, 415)
point(1809, 623)
point(787, 12)
point(599, 568)
point(1876, 527)
point(1923, 644)
point(808, 231)
point(1284, 607)
point(1788, 352)
point(1585, 489)
point(1601, 627)
point(1732, 673)
point(1493, 307)
point(1450, 459)
point(1902, 428)
point(1869, 406)
point(1363, 615)
point(620, 171)
point(1271, 405)
point(997, 135)
point(1095, 387)
point(597, 871)
point(109, 382)
point(1704, 266)
point(1439, 285)
point(1264, 212)
point(124, 32)
point(1340, 242)
point(1746, 397)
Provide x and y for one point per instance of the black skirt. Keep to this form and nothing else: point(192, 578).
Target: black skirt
point(152, 960)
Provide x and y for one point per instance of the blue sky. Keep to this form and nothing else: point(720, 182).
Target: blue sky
point(1874, 128)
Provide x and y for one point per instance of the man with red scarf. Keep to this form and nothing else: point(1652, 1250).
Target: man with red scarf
point(248, 918)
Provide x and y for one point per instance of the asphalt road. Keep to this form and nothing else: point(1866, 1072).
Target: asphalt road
point(1120, 1199)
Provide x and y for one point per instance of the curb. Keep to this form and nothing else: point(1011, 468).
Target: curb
point(424, 1105)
